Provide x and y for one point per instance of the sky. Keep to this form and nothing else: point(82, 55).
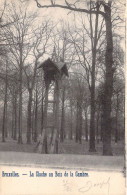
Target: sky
point(67, 16)
point(57, 14)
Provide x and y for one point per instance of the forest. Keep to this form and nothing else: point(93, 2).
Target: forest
point(89, 38)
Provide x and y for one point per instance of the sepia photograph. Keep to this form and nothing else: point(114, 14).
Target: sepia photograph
point(62, 97)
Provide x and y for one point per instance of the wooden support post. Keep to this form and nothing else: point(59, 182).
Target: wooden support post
point(53, 71)
point(54, 141)
point(44, 134)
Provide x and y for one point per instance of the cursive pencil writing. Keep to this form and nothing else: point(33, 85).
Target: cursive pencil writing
point(89, 185)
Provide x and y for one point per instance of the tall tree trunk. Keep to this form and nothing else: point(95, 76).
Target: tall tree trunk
point(92, 122)
point(80, 124)
point(44, 134)
point(54, 144)
point(77, 123)
point(36, 116)
point(6, 121)
point(15, 116)
point(6, 105)
point(97, 127)
point(42, 114)
point(102, 126)
point(12, 123)
point(4, 126)
point(62, 117)
point(71, 129)
point(108, 88)
point(92, 90)
point(54, 107)
point(42, 103)
point(20, 106)
point(86, 126)
point(33, 118)
point(29, 122)
point(116, 128)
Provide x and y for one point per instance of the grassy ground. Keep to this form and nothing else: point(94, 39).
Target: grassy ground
point(67, 147)
point(71, 147)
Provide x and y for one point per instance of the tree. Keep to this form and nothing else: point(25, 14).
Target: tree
point(86, 43)
point(104, 9)
point(62, 52)
point(18, 39)
point(4, 126)
point(62, 128)
point(118, 105)
point(38, 49)
point(78, 95)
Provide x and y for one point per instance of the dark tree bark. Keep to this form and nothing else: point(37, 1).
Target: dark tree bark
point(15, 116)
point(80, 124)
point(86, 126)
point(4, 115)
point(102, 126)
point(92, 88)
point(33, 118)
point(12, 123)
point(6, 104)
point(97, 126)
point(12, 119)
point(29, 114)
point(62, 117)
point(108, 87)
point(20, 111)
point(6, 121)
point(13, 113)
point(71, 122)
point(42, 104)
point(42, 114)
point(54, 143)
point(36, 116)
point(4, 126)
point(44, 134)
point(116, 128)
point(20, 97)
point(77, 123)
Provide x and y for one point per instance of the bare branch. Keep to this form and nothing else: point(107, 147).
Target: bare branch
point(69, 7)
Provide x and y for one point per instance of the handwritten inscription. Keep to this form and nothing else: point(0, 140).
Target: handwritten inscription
point(88, 185)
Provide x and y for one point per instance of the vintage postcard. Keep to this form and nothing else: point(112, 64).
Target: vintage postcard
point(62, 97)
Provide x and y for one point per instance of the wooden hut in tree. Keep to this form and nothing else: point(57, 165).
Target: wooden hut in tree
point(53, 71)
